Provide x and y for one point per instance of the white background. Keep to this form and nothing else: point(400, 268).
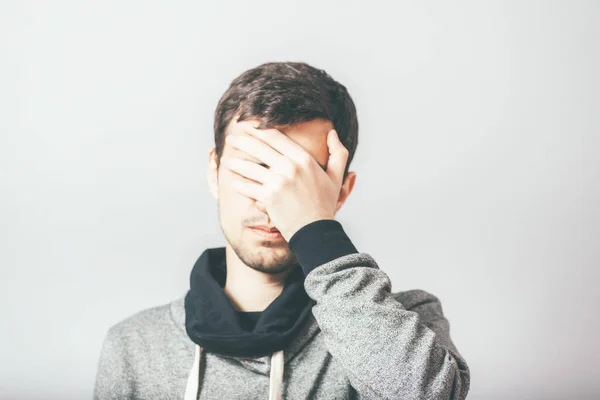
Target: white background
point(478, 170)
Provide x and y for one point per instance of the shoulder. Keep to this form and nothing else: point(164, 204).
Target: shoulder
point(147, 324)
point(136, 349)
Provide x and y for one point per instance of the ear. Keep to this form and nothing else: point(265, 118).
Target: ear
point(212, 174)
point(346, 189)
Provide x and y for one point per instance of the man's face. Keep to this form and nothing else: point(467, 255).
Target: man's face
point(238, 213)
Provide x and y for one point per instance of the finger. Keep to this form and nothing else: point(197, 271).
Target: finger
point(247, 188)
point(338, 156)
point(248, 169)
point(279, 141)
point(258, 149)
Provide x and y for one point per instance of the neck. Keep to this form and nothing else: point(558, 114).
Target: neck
point(248, 289)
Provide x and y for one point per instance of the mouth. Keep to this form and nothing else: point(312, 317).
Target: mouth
point(269, 234)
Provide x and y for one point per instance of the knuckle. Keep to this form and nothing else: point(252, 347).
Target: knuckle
point(295, 171)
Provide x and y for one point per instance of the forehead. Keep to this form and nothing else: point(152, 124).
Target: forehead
point(311, 135)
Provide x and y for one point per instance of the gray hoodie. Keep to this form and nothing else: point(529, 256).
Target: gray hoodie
point(361, 342)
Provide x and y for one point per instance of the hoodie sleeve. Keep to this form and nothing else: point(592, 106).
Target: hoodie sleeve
point(389, 350)
point(112, 377)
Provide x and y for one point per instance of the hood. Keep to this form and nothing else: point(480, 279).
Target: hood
point(212, 323)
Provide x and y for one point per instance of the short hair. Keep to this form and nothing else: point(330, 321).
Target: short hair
point(280, 94)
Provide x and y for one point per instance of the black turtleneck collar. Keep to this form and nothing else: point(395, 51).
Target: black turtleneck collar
point(214, 324)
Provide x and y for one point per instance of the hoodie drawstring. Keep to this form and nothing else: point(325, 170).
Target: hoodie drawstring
point(276, 378)
point(192, 389)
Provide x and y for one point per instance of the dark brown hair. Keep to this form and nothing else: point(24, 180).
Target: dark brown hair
point(282, 94)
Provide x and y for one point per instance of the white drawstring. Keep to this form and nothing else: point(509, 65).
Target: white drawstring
point(276, 379)
point(192, 388)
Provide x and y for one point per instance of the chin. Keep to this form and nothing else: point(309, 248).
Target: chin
point(272, 270)
point(268, 260)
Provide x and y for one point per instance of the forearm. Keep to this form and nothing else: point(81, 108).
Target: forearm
point(386, 349)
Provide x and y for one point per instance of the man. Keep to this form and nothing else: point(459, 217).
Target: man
point(288, 308)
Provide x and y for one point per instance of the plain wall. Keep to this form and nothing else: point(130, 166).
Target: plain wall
point(478, 171)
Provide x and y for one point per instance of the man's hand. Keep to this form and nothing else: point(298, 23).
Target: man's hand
point(294, 189)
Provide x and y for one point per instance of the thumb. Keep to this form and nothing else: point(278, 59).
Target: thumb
point(338, 156)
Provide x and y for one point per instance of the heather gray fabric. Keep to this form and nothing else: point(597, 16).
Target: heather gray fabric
point(362, 342)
